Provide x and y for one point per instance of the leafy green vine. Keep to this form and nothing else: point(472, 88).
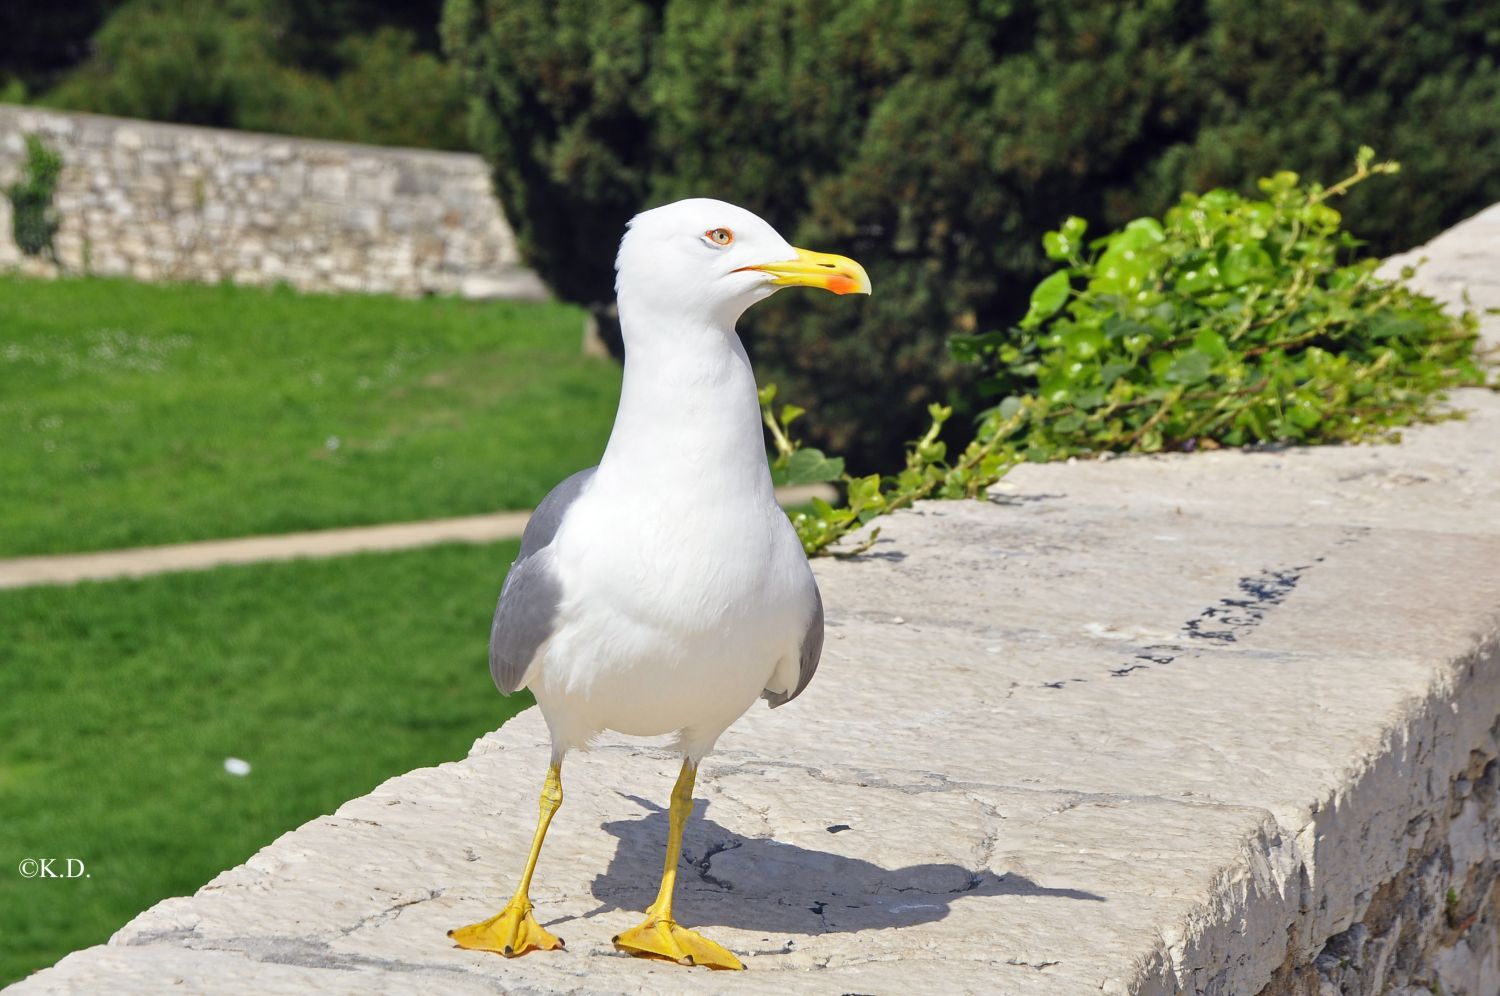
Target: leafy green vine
point(33, 219)
point(1229, 321)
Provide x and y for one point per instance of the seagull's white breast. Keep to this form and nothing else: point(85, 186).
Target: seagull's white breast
point(678, 606)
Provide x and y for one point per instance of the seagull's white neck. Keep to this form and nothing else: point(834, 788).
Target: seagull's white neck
point(688, 422)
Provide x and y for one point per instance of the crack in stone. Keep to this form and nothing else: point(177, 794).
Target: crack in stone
point(947, 956)
point(865, 778)
point(1234, 616)
point(306, 953)
point(703, 863)
point(1237, 616)
point(1067, 807)
point(390, 912)
point(818, 909)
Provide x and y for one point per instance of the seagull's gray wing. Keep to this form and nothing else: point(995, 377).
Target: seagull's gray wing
point(527, 609)
point(542, 525)
point(812, 650)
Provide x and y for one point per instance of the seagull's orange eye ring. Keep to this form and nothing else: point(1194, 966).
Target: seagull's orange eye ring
point(719, 236)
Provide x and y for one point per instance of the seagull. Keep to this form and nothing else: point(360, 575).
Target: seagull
point(664, 590)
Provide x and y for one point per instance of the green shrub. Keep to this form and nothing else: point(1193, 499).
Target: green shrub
point(170, 61)
point(1229, 321)
point(393, 94)
point(937, 141)
point(247, 64)
point(33, 218)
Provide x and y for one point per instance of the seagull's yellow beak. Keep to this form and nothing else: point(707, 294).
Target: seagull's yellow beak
point(839, 274)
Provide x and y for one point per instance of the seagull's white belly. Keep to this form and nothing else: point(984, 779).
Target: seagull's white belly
point(670, 622)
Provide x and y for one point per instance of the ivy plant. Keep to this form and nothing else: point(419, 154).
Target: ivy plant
point(928, 472)
point(1229, 321)
point(33, 219)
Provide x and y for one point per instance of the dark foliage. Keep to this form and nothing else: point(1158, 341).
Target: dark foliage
point(39, 42)
point(360, 70)
point(33, 218)
point(936, 141)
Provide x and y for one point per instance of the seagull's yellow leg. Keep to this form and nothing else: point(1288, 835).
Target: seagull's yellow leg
point(659, 936)
point(514, 931)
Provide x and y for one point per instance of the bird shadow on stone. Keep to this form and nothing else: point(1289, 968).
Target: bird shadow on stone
point(762, 884)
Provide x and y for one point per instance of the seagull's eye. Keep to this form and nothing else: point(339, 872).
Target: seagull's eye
point(719, 236)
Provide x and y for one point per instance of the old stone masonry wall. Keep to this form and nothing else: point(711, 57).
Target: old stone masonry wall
point(167, 202)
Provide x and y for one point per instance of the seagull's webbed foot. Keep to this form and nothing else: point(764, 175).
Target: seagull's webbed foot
point(661, 937)
point(514, 931)
point(511, 932)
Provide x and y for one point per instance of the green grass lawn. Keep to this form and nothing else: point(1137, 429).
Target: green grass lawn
point(140, 414)
point(120, 702)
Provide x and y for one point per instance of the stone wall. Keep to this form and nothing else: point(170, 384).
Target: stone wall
point(168, 202)
point(1435, 926)
point(1219, 723)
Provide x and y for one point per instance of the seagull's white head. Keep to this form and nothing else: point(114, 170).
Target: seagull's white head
point(702, 260)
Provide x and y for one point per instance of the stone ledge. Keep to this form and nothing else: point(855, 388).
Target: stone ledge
point(1223, 723)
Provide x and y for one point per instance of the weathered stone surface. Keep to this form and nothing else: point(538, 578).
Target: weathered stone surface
point(1221, 723)
point(168, 202)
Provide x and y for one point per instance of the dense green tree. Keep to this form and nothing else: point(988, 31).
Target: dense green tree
point(936, 141)
point(361, 70)
point(311, 29)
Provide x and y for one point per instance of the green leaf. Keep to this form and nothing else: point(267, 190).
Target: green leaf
point(1049, 295)
point(1083, 342)
point(1211, 344)
point(810, 466)
point(1189, 367)
point(1243, 263)
point(969, 348)
point(1067, 241)
point(1201, 278)
point(1069, 423)
point(932, 452)
point(1118, 327)
point(1278, 184)
point(1056, 388)
point(865, 489)
point(963, 349)
point(1159, 364)
point(1141, 233)
point(1091, 398)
